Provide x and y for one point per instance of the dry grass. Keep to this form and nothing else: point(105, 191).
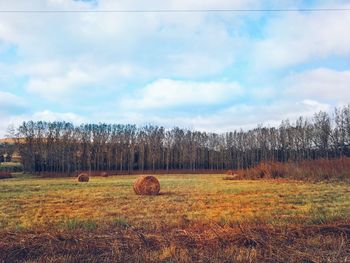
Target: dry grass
point(104, 174)
point(25, 203)
point(5, 175)
point(316, 170)
point(230, 172)
point(135, 172)
point(234, 177)
point(199, 218)
point(210, 243)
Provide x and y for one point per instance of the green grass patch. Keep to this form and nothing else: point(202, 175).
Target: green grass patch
point(75, 223)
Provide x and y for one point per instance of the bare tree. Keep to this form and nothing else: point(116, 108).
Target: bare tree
point(63, 147)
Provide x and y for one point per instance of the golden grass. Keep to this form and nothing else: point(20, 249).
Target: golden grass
point(184, 199)
point(196, 218)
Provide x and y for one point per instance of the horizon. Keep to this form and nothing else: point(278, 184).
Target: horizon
point(206, 71)
point(339, 112)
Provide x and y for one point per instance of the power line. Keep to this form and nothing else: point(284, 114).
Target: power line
point(181, 10)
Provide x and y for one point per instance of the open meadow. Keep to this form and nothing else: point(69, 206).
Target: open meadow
point(195, 218)
point(174, 131)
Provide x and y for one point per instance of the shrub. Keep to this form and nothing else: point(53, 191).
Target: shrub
point(230, 172)
point(104, 174)
point(314, 170)
point(233, 177)
point(5, 175)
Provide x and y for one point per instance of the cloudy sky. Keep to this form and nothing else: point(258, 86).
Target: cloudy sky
point(209, 71)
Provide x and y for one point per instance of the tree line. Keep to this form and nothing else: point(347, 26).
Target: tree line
point(64, 147)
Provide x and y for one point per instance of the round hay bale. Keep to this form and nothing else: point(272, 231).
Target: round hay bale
point(83, 178)
point(104, 174)
point(146, 185)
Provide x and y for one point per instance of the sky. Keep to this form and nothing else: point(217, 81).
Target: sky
point(208, 71)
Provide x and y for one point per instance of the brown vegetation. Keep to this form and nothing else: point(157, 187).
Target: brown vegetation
point(104, 174)
point(198, 243)
point(83, 178)
point(315, 170)
point(146, 185)
point(230, 172)
point(110, 172)
point(233, 177)
point(196, 219)
point(8, 140)
point(5, 175)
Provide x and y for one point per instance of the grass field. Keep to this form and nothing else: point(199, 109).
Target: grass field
point(190, 203)
point(10, 164)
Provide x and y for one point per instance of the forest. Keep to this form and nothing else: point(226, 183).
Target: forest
point(63, 147)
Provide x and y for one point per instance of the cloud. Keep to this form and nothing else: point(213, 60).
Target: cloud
point(214, 71)
point(235, 117)
point(68, 61)
point(263, 93)
point(170, 45)
point(247, 116)
point(87, 55)
point(320, 84)
point(15, 109)
point(45, 115)
point(59, 80)
point(10, 103)
point(57, 86)
point(295, 38)
point(167, 93)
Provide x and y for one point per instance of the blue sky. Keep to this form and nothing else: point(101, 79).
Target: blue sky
point(206, 71)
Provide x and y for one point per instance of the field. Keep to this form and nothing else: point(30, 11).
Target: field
point(195, 218)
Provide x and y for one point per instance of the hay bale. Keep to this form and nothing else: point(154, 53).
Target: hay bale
point(83, 177)
point(146, 185)
point(104, 174)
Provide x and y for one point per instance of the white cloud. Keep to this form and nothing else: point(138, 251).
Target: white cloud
point(11, 103)
point(236, 117)
point(263, 93)
point(43, 68)
point(45, 115)
point(67, 56)
point(295, 38)
point(322, 84)
point(167, 93)
point(142, 40)
point(58, 80)
point(245, 116)
point(56, 87)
